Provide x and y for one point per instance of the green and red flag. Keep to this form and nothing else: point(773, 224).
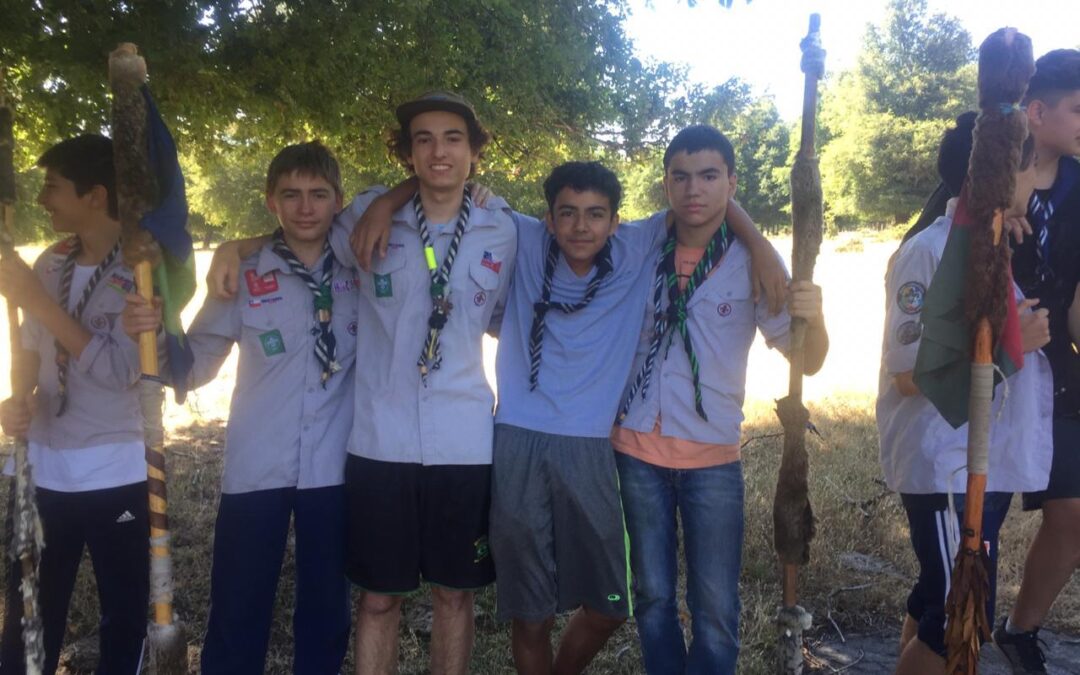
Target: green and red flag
point(943, 364)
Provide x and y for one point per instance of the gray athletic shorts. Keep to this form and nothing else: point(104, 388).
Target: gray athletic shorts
point(556, 531)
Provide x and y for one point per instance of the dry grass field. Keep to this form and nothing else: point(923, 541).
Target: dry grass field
point(861, 567)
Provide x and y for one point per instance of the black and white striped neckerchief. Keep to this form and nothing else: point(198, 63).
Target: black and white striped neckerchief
point(325, 343)
point(675, 318)
point(540, 309)
point(431, 355)
point(1041, 210)
point(67, 271)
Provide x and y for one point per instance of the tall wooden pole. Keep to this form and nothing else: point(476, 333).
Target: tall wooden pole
point(137, 191)
point(793, 518)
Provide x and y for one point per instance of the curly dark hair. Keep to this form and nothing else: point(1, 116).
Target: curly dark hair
point(582, 176)
point(399, 142)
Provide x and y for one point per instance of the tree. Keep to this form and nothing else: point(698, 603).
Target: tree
point(882, 121)
point(237, 79)
point(917, 65)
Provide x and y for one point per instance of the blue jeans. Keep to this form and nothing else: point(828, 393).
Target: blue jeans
point(249, 545)
point(710, 506)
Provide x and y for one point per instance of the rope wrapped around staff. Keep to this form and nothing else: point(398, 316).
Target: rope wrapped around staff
point(136, 195)
point(27, 538)
point(1005, 66)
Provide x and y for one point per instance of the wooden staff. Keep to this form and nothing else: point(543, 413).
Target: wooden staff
point(1005, 66)
point(27, 537)
point(136, 192)
point(793, 518)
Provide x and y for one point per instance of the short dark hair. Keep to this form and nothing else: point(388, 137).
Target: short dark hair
point(1057, 74)
point(582, 176)
point(309, 159)
point(701, 137)
point(954, 154)
point(86, 161)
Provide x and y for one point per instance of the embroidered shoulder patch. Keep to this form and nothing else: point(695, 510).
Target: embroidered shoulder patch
point(908, 332)
point(910, 297)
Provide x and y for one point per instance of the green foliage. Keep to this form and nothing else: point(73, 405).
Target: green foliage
point(237, 79)
point(882, 122)
point(917, 65)
point(762, 154)
point(763, 159)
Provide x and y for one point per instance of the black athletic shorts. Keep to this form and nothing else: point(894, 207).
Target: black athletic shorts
point(1065, 467)
point(408, 522)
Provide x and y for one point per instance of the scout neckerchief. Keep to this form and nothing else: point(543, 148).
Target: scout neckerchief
point(431, 356)
point(675, 318)
point(1041, 210)
point(326, 343)
point(67, 271)
point(540, 309)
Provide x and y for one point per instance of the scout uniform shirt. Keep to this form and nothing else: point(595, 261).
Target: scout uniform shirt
point(586, 355)
point(285, 429)
point(98, 442)
point(920, 451)
point(396, 416)
point(723, 319)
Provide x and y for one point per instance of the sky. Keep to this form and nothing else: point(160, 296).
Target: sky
point(759, 41)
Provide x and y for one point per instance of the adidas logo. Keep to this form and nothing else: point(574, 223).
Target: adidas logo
point(125, 517)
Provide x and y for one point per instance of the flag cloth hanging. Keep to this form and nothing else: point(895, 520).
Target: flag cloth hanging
point(174, 276)
point(943, 364)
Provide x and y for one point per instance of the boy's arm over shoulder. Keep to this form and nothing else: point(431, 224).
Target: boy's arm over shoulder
point(768, 275)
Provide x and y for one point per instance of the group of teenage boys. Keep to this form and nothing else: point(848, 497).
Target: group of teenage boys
point(361, 412)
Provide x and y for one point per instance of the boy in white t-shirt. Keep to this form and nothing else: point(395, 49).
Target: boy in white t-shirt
point(83, 423)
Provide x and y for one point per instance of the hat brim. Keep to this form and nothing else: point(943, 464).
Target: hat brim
point(407, 111)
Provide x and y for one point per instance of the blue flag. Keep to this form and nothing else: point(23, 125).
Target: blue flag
point(174, 277)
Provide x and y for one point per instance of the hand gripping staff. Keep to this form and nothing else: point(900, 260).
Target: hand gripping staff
point(27, 539)
point(793, 519)
point(137, 193)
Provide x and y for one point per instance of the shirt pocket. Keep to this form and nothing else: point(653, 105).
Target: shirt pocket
point(388, 278)
point(726, 310)
point(480, 289)
point(270, 334)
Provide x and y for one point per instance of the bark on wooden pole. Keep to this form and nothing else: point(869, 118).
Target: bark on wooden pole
point(136, 192)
